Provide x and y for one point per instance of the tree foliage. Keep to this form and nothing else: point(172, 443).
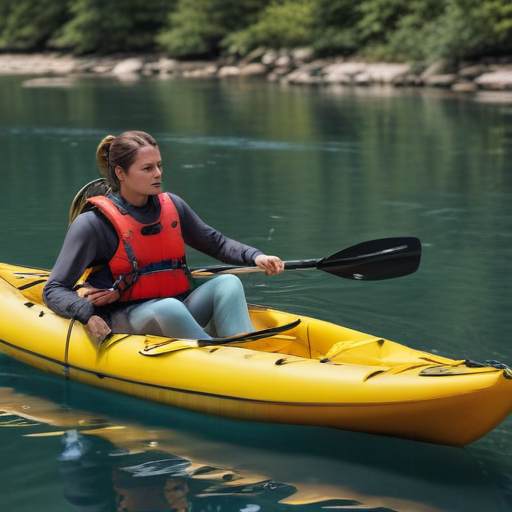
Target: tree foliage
point(27, 25)
point(282, 24)
point(418, 31)
point(197, 27)
point(108, 26)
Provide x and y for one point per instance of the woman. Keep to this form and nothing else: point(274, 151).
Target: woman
point(134, 241)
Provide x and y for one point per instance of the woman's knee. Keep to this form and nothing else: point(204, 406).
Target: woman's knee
point(170, 317)
point(229, 284)
point(168, 309)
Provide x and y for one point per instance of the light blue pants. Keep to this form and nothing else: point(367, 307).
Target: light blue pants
point(216, 308)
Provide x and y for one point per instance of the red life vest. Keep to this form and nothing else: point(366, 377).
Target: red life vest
point(150, 259)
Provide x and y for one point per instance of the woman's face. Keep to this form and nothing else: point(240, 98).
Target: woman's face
point(143, 178)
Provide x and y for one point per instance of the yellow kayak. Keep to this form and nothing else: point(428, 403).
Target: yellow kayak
point(313, 373)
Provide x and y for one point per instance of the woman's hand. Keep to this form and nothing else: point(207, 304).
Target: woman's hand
point(99, 297)
point(270, 264)
point(98, 328)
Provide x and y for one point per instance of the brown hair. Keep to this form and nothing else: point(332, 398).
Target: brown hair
point(120, 151)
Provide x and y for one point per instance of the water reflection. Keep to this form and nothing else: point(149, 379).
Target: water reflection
point(108, 461)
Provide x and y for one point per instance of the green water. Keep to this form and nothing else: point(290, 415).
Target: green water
point(301, 173)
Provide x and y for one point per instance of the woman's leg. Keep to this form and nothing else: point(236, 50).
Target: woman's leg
point(164, 317)
point(221, 302)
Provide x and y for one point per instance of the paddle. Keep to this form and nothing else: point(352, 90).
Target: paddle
point(175, 344)
point(385, 258)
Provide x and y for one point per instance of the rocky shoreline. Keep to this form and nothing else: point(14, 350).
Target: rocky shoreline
point(287, 67)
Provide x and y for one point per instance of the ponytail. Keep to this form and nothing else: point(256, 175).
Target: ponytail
point(103, 162)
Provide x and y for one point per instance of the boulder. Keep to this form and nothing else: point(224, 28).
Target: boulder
point(497, 80)
point(228, 71)
point(128, 66)
point(253, 69)
point(342, 72)
point(162, 65)
point(301, 55)
point(301, 77)
point(387, 73)
point(201, 72)
point(56, 81)
point(464, 87)
point(269, 58)
point(283, 61)
point(446, 80)
point(471, 72)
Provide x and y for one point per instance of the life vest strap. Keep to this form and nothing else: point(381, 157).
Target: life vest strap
point(160, 266)
point(123, 282)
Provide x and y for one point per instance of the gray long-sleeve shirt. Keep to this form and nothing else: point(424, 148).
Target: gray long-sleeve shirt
point(91, 240)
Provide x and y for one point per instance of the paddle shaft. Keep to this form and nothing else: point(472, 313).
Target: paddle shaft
point(238, 269)
point(384, 258)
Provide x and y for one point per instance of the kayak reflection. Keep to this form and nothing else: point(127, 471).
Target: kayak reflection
point(101, 478)
point(110, 459)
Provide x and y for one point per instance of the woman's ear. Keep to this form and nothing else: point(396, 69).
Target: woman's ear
point(119, 173)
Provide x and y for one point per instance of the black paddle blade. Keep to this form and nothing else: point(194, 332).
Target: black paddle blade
point(385, 258)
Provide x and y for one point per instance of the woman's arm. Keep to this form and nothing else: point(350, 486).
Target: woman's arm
point(88, 242)
point(202, 237)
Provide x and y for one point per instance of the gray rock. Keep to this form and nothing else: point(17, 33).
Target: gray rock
point(471, 72)
point(446, 80)
point(201, 72)
point(299, 77)
point(128, 66)
point(283, 61)
point(301, 55)
point(387, 73)
point(228, 71)
point(464, 87)
point(497, 80)
point(269, 58)
point(163, 65)
point(253, 69)
point(56, 81)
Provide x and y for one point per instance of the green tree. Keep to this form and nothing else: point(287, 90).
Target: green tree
point(453, 30)
point(27, 25)
point(473, 28)
point(107, 26)
point(335, 23)
point(400, 30)
point(197, 27)
point(282, 24)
